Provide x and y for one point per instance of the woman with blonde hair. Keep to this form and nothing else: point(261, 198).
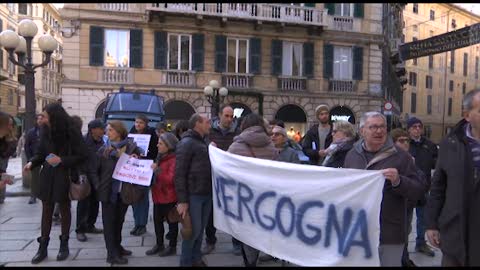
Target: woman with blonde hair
point(344, 135)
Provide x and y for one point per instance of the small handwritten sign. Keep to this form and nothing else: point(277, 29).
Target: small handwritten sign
point(132, 170)
point(142, 141)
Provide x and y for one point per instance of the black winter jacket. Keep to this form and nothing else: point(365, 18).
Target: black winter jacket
point(425, 153)
point(193, 171)
point(32, 141)
point(310, 137)
point(54, 182)
point(454, 200)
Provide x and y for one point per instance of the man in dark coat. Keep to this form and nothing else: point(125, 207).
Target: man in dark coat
point(193, 184)
point(376, 151)
point(425, 153)
point(87, 209)
point(452, 215)
point(318, 137)
point(32, 140)
point(140, 209)
point(222, 132)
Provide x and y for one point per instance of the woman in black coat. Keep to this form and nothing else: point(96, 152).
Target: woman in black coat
point(60, 152)
point(108, 189)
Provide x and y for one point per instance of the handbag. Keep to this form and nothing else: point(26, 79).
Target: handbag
point(79, 189)
point(132, 193)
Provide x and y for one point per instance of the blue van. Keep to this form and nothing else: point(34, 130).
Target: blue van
point(124, 106)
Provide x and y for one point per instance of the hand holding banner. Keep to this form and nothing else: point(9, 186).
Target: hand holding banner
point(307, 215)
point(142, 141)
point(132, 170)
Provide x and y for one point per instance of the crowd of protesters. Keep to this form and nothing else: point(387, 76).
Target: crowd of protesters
point(181, 186)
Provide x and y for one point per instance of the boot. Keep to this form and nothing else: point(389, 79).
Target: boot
point(63, 252)
point(168, 252)
point(156, 249)
point(42, 250)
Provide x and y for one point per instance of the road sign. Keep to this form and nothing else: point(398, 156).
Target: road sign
point(388, 106)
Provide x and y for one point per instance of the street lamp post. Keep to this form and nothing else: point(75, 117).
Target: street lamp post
point(22, 46)
point(215, 95)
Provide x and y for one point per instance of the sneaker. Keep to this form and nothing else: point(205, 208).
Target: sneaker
point(208, 249)
point(81, 237)
point(425, 249)
point(141, 230)
point(134, 230)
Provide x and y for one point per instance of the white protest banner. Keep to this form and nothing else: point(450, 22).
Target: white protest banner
point(132, 170)
point(307, 215)
point(142, 141)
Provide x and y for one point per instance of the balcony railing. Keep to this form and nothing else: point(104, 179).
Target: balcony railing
point(183, 78)
point(341, 86)
point(237, 80)
point(115, 75)
point(344, 23)
point(259, 12)
point(118, 7)
point(292, 83)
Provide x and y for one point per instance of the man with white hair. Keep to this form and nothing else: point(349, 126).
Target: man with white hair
point(376, 151)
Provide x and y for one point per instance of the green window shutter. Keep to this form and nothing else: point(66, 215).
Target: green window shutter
point(357, 63)
point(197, 52)
point(160, 50)
point(96, 46)
point(328, 61)
point(331, 8)
point(358, 10)
point(136, 48)
point(308, 57)
point(220, 53)
point(312, 5)
point(255, 55)
point(277, 50)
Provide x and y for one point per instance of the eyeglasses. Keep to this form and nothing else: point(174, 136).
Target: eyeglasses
point(276, 134)
point(375, 128)
point(403, 140)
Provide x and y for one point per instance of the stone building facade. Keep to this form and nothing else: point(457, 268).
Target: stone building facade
point(279, 60)
point(437, 83)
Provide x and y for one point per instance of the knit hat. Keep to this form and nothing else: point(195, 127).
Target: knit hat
point(97, 123)
point(321, 108)
point(412, 121)
point(279, 129)
point(169, 139)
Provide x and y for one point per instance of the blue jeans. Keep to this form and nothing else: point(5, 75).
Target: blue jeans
point(140, 210)
point(420, 240)
point(199, 207)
